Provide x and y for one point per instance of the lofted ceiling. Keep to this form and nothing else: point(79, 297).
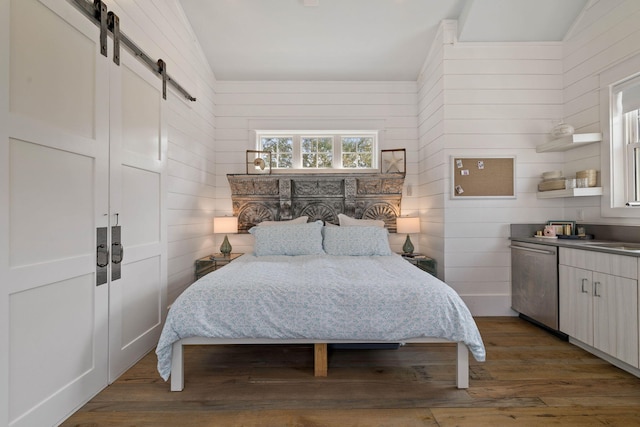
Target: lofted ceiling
point(361, 40)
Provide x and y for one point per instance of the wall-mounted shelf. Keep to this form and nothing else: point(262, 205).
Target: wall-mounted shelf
point(569, 142)
point(571, 192)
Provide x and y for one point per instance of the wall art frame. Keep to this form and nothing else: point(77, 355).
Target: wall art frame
point(393, 161)
point(258, 162)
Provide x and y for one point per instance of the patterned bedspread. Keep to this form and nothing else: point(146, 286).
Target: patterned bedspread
point(323, 297)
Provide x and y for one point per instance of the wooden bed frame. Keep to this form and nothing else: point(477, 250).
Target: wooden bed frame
point(320, 355)
point(257, 198)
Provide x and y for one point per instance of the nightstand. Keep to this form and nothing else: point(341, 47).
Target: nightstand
point(423, 262)
point(212, 263)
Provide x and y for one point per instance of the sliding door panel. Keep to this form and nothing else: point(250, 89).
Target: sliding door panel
point(138, 162)
point(57, 162)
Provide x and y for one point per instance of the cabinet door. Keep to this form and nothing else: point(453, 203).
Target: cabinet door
point(576, 303)
point(615, 308)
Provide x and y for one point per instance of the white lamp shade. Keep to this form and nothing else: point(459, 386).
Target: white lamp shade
point(225, 225)
point(408, 225)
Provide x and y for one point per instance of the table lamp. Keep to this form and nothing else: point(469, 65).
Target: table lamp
point(225, 225)
point(408, 225)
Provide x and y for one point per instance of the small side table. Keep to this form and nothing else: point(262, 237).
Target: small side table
point(211, 263)
point(423, 262)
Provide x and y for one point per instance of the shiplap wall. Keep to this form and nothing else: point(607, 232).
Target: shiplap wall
point(606, 34)
point(162, 31)
point(431, 189)
point(483, 100)
point(242, 107)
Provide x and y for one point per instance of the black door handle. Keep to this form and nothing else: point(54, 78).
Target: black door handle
point(117, 252)
point(102, 256)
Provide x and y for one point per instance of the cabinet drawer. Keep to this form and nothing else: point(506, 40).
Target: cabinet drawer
point(618, 265)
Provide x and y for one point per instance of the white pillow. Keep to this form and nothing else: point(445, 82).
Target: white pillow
point(290, 239)
point(358, 241)
point(347, 221)
point(299, 220)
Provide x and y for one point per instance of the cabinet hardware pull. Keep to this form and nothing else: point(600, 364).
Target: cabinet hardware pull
point(595, 289)
point(584, 291)
point(538, 251)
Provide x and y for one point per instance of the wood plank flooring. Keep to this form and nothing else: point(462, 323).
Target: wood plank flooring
point(530, 378)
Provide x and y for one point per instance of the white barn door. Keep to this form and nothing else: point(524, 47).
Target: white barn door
point(138, 163)
point(54, 161)
point(82, 149)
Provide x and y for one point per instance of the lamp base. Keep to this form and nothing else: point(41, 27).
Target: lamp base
point(225, 247)
point(407, 248)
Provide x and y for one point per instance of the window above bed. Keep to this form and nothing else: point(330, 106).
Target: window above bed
point(318, 151)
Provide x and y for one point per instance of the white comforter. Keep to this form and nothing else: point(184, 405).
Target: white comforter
point(319, 297)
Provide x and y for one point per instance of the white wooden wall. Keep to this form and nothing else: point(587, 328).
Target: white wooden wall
point(500, 99)
point(162, 30)
point(485, 100)
point(245, 106)
point(431, 144)
point(607, 34)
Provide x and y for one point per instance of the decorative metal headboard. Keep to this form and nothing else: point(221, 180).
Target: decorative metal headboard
point(258, 198)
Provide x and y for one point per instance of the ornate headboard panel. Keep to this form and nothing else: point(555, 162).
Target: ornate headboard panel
point(259, 198)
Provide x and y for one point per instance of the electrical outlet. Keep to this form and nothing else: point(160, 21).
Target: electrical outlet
point(580, 214)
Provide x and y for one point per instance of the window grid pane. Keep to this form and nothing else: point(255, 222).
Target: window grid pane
point(317, 152)
point(281, 148)
point(357, 152)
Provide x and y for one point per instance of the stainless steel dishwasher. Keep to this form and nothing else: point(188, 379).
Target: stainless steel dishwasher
point(534, 283)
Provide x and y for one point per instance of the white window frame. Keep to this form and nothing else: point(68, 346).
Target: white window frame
point(336, 135)
point(632, 143)
point(616, 170)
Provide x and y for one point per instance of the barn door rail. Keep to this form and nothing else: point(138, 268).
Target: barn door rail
point(109, 23)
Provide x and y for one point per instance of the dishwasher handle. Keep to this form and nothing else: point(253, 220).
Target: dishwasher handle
point(527, 249)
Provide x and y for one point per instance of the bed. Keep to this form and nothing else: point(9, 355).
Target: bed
point(307, 283)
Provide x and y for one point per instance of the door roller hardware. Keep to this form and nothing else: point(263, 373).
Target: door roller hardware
point(108, 22)
point(114, 26)
point(101, 15)
point(162, 66)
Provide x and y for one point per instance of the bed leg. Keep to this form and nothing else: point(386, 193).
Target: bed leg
point(462, 372)
point(177, 367)
point(320, 360)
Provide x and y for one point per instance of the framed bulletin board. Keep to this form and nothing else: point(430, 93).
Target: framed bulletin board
point(492, 177)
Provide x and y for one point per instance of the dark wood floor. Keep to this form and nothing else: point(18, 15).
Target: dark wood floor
point(530, 378)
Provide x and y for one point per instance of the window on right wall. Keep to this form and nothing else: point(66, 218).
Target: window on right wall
point(625, 104)
point(620, 103)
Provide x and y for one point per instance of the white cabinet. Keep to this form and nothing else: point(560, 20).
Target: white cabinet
point(576, 303)
point(599, 301)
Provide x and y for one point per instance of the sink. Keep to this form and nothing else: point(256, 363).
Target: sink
point(621, 246)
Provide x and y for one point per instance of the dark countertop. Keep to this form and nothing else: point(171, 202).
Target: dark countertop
point(524, 233)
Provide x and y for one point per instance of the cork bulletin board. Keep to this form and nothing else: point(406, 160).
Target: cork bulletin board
point(492, 177)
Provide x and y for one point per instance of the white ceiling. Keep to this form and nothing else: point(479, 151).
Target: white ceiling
point(366, 40)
